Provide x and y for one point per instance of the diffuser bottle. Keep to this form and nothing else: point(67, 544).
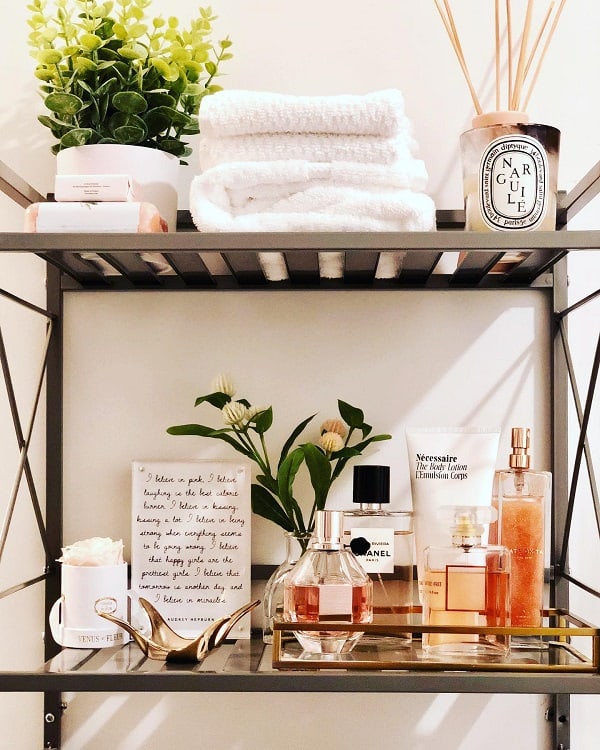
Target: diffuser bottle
point(521, 497)
point(328, 585)
point(466, 585)
point(382, 540)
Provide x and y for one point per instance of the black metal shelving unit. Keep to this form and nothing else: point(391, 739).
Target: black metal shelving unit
point(189, 260)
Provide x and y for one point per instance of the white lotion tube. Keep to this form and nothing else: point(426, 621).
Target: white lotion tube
point(448, 466)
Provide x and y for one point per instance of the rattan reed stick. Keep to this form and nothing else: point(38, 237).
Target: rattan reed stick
point(543, 55)
point(453, 35)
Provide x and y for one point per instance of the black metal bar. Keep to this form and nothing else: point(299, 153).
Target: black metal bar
point(577, 305)
point(582, 445)
point(21, 586)
point(12, 400)
point(54, 514)
point(25, 303)
point(576, 199)
point(16, 188)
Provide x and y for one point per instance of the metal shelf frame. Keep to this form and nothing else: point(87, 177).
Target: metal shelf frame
point(197, 262)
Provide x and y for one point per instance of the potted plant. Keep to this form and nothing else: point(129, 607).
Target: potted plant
point(110, 75)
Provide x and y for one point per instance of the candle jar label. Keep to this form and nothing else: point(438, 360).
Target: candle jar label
point(513, 184)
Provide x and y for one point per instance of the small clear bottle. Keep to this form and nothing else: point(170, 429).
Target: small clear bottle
point(522, 498)
point(383, 542)
point(328, 584)
point(467, 584)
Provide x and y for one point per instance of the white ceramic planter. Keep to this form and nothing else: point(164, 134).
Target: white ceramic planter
point(155, 172)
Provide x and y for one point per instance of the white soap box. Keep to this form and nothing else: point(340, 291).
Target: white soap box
point(93, 217)
point(95, 187)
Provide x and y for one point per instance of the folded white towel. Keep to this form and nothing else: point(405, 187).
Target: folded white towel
point(239, 112)
point(320, 147)
point(301, 196)
point(300, 186)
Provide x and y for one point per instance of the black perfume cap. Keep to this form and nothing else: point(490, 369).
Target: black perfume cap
point(371, 484)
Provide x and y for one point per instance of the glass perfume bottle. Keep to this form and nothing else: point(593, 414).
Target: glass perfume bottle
point(467, 584)
point(522, 497)
point(328, 585)
point(383, 542)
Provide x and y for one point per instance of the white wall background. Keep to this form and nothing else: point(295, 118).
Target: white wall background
point(426, 350)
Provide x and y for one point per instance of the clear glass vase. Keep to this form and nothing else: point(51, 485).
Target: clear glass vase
point(296, 544)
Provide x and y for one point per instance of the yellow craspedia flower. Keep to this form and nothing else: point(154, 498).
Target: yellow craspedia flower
point(331, 442)
point(334, 425)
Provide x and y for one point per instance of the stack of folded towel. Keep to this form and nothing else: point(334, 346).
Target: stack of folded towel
point(276, 162)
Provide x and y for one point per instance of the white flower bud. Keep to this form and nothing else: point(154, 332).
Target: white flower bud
point(222, 384)
point(234, 413)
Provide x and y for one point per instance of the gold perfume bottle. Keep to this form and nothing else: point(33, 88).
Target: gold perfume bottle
point(466, 584)
point(521, 497)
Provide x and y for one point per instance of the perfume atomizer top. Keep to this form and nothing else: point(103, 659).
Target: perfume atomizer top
point(371, 485)
point(329, 530)
point(519, 457)
point(467, 523)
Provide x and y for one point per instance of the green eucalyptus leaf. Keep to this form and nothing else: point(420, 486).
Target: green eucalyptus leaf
point(90, 42)
point(159, 99)
point(129, 134)
point(172, 146)
point(266, 506)
point(217, 399)
point(63, 104)
point(179, 119)
point(351, 415)
point(133, 51)
point(129, 102)
point(49, 57)
point(87, 88)
point(77, 137)
point(156, 122)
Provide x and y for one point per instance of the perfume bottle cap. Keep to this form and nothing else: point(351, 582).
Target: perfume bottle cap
point(329, 529)
point(467, 522)
point(371, 484)
point(519, 457)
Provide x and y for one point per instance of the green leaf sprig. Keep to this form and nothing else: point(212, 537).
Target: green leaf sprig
point(108, 74)
point(273, 492)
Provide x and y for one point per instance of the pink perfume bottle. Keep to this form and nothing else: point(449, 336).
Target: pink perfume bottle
point(466, 585)
point(328, 585)
point(521, 496)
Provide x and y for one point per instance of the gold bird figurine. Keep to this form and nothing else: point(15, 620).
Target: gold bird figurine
point(165, 644)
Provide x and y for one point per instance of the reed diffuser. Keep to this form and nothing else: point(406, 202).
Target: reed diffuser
point(510, 165)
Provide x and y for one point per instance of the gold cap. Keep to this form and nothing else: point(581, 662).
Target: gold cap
point(519, 458)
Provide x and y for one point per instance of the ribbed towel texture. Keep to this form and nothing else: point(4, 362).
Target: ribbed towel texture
point(275, 162)
point(241, 112)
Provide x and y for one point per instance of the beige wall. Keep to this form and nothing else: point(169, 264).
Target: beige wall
point(311, 48)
